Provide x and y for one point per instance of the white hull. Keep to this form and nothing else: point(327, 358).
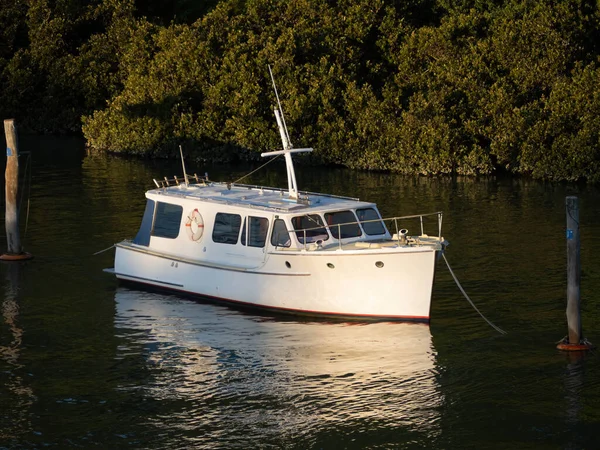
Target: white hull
point(353, 287)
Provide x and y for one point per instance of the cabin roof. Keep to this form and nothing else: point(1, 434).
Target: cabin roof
point(256, 197)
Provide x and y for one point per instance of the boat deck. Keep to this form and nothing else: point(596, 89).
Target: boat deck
point(258, 197)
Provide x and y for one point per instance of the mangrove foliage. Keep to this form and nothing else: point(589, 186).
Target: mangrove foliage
point(412, 86)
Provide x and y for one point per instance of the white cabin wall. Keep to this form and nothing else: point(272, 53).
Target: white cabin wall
point(205, 249)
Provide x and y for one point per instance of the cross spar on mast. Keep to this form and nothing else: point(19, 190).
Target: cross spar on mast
point(287, 146)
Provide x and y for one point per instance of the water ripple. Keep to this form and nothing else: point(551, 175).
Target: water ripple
point(223, 373)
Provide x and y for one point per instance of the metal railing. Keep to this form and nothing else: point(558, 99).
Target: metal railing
point(398, 235)
point(166, 182)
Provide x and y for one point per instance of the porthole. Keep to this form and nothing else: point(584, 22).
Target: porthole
point(288, 265)
point(379, 264)
point(331, 266)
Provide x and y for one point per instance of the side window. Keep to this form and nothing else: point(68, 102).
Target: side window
point(311, 226)
point(167, 220)
point(227, 228)
point(280, 236)
point(258, 227)
point(370, 221)
point(347, 231)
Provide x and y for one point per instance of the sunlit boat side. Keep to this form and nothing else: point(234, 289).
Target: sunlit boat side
point(285, 250)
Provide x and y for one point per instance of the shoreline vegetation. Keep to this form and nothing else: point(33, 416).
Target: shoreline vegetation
point(467, 87)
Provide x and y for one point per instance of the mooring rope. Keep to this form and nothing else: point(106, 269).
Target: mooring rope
point(105, 250)
point(498, 329)
point(27, 183)
point(30, 166)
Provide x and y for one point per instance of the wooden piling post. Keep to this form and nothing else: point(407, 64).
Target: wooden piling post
point(574, 340)
point(14, 250)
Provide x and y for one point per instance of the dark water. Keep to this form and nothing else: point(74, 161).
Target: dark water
point(86, 363)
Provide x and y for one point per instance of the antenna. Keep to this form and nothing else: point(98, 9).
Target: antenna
point(287, 136)
point(287, 145)
point(187, 182)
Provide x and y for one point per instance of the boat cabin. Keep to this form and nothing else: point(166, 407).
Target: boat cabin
point(245, 220)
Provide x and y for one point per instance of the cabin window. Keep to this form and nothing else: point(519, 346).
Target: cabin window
point(365, 216)
point(311, 226)
point(280, 236)
point(258, 227)
point(227, 228)
point(167, 220)
point(143, 235)
point(349, 230)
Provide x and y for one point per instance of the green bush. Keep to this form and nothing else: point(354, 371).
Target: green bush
point(420, 87)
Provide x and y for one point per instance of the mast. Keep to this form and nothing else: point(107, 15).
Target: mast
point(185, 176)
point(287, 146)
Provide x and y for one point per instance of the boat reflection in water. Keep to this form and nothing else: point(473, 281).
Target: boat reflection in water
point(235, 377)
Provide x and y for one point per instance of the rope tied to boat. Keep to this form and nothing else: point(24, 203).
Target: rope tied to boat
point(498, 329)
point(105, 250)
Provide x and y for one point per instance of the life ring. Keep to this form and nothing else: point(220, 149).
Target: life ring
point(194, 218)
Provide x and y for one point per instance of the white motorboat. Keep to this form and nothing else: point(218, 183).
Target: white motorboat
point(282, 249)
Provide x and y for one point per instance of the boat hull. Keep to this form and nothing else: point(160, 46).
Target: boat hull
point(384, 284)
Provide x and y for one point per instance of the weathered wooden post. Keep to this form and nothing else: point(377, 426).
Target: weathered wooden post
point(14, 250)
point(574, 340)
